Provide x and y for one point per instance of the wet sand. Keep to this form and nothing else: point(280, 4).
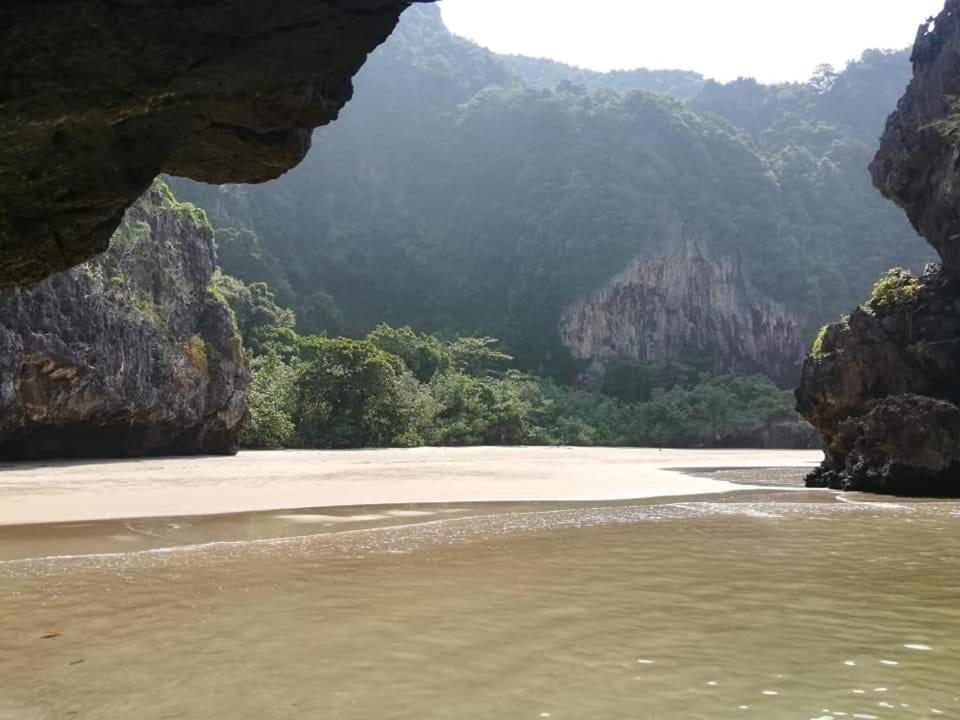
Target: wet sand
point(757, 604)
point(32, 493)
point(769, 602)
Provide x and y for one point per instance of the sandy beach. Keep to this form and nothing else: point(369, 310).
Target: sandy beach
point(32, 493)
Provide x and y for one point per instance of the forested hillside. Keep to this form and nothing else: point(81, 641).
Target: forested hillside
point(399, 387)
point(465, 193)
point(544, 73)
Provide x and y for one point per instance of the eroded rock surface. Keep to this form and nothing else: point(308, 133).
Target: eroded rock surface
point(97, 98)
point(916, 166)
point(882, 386)
point(902, 444)
point(128, 354)
point(670, 309)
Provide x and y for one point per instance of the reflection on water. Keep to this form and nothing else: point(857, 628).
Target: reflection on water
point(791, 477)
point(768, 605)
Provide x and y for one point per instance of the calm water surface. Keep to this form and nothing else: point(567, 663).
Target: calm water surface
point(770, 604)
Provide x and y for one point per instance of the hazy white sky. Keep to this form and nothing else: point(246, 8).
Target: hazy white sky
point(771, 40)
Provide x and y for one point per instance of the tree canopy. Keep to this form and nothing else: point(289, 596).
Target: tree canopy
point(468, 194)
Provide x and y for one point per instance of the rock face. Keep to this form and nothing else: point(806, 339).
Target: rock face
point(127, 354)
point(669, 309)
point(916, 166)
point(97, 98)
point(882, 386)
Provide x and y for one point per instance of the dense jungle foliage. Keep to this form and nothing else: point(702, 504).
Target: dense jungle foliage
point(465, 193)
point(398, 387)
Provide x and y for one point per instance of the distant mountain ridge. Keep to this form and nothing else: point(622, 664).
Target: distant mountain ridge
point(545, 73)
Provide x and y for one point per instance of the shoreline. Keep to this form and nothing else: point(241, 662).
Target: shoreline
point(265, 481)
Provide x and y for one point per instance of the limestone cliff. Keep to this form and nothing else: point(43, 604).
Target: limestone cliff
point(916, 166)
point(97, 98)
point(129, 354)
point(881, 387)
point(670, 309)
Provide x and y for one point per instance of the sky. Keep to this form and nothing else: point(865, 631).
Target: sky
point(771, 40)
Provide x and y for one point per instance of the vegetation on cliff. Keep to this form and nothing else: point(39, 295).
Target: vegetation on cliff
point(881, 386)
point(896, 288)
point(469, 194)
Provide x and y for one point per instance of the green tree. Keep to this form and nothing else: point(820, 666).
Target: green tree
point(255, 309)
point(424, 355)
point(824, 78)
point(478, 356)
point(270, 402)
point(629, 381)
point(348, 395)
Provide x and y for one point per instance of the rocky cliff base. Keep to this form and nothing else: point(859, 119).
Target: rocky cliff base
point(881, 387)
point(129, 354)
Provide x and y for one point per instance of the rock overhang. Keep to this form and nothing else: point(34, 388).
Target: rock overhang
point(97, 98)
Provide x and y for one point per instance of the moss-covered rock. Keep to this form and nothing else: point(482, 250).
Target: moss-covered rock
point(897, 288)
point(879, 387)
point(129, 354)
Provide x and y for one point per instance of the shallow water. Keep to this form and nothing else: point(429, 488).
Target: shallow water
point(769, 604)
